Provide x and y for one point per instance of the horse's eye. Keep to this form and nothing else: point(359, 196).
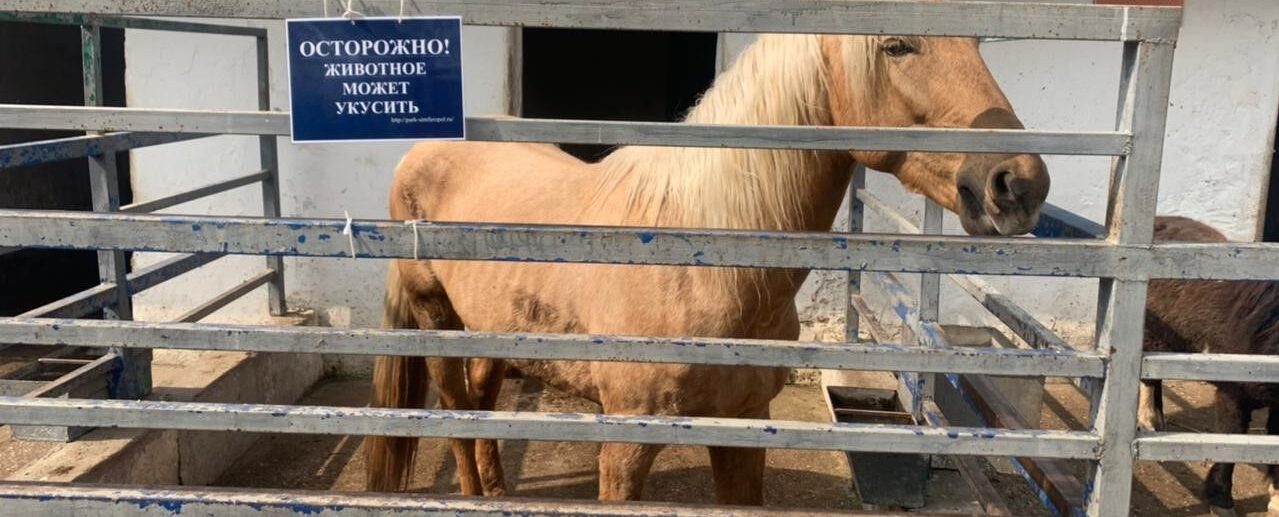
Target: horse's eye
point(897, 48)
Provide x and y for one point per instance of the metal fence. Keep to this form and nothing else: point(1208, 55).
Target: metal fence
point(1123, 260)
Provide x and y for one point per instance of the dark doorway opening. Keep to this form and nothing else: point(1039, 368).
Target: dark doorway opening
point(40, 64)
point(1270, 224)
point(614, 75)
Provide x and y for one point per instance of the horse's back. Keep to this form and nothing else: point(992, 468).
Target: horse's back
point(490, 182)
point(1204, 315)
point(1175, 228)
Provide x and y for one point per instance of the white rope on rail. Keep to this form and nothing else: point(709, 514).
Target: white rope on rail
point(350, 13)
point(413, 223)
point(401, 20)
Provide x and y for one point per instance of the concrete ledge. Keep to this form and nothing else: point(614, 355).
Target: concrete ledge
point(132, 456)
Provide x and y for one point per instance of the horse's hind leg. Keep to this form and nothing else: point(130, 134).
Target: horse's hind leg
point(1150, 406)
point(486, 376)
point(414, 299)
point(623, 469)
point(450, 377)
point(1233, 410)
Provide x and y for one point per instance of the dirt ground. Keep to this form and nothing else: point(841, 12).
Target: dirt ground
point(796, 479)
point(804, 479)
point(1170, 488)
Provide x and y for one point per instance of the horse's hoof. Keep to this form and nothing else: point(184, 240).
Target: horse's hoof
point(1218, 511)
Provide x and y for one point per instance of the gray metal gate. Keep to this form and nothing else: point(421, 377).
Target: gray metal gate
point(1124, 258)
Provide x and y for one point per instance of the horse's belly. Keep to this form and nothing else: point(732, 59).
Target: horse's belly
point(573, 377)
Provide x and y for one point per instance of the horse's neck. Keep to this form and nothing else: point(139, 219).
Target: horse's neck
point(779, 80)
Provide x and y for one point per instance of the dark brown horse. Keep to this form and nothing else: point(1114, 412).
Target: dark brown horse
point(1227, 317)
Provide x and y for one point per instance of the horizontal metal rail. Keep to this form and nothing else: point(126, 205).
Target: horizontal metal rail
point(83, 382)
point(62, 499)
point(46, 151)
point(1102, 143)
point(20, 116)
point(226, 297)
point(441, 343)
point(1210, 367)
point(507, 425)
point(49, 229)
point(970, 468)
point(123, 22)
point(101, 295)
point(1022, 323)
point(1221, 448)
point(76, 305)
point(196, 193)
point(91, 380)
point(577, 244)
point(17, 388)
point(1007, 20)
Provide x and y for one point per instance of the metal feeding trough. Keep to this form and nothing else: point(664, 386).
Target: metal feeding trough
point(881, 478)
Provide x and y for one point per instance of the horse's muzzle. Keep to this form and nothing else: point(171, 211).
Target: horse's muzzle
point(1001, 194)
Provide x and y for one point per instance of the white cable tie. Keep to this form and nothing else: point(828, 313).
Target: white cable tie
point(350, 235)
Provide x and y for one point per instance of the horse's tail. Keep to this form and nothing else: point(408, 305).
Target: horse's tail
point(398, 382)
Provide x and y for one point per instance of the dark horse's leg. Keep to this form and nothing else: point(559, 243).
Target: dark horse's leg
point(1233, 411)
point(1272, 472)
point(1150, 406)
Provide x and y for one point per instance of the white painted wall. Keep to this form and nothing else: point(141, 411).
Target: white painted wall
point(1221, 124)
point(172, 70)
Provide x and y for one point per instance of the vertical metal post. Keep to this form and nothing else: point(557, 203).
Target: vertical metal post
point(856, 222)
point(1134, 188)
point(270, 161)
point(930, 283)
point(132, 378)
point(930, 291)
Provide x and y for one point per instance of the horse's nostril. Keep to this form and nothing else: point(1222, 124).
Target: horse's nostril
point(1005, 187)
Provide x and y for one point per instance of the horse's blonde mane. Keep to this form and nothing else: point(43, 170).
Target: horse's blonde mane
point(778, 80)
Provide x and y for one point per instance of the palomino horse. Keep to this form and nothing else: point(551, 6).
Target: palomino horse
point(779, 80)
point(1195, 316)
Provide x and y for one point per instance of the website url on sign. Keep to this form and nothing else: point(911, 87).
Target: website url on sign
point(421, 120)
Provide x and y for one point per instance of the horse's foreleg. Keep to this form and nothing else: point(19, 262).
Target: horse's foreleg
point(486, 376)
point(450, 378)
point(1150, 406)
point(1233, 414)
point(739, 471)
point(623, 469)
point(739, 475)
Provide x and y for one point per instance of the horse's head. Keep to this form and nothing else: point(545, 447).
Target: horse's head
point(890, 81)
